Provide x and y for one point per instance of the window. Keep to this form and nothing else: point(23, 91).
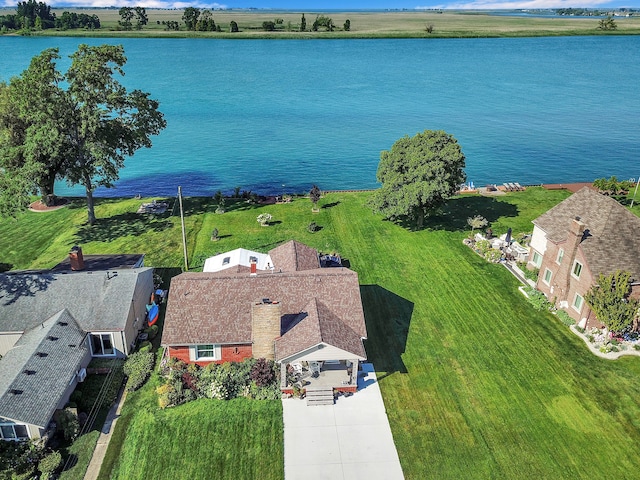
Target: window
point(559, 257)
point(13, 431)
point(577, 303)
point(102, 345)
point(226, 260)
point(547, 276)
point(537, 259)
point(207, 352)
point(577, 269)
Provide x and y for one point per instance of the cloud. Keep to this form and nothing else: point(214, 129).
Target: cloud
point(518, 4)
point(124, 3)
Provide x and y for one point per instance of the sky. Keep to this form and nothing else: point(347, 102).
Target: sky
point(302, 5)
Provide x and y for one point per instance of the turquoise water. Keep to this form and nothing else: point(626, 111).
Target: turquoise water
point(261, 114)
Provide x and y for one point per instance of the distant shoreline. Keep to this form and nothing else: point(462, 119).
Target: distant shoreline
point(364, 24)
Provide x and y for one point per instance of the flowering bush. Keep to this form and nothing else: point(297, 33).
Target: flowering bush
point(264, 219)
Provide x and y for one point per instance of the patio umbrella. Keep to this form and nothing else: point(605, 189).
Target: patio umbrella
point(507, 239)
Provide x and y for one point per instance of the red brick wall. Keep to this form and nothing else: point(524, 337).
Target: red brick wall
point(561, 276)
point(229, 353)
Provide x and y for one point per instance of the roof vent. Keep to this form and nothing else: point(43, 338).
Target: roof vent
point(30, 372)
point(266, 300)
point(15, 391)
point(42, 354)
point(52, 338)
point(73, 345)
point(63, 324)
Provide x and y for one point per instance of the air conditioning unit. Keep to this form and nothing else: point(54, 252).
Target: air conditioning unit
point(82, 374)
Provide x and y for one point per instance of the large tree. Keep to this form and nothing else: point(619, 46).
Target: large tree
point(107, 123)
point(82, 133)
point(32, 118)
point(609, 300)
point(418, 175)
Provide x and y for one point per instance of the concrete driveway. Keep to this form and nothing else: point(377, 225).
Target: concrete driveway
point(349, 440)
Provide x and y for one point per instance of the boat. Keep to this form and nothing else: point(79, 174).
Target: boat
point(153, 314)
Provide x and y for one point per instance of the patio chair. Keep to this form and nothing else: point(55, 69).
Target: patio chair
point(518, 186)
point(315, 369)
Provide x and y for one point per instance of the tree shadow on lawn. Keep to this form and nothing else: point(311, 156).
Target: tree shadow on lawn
point(387, 317)
point(453, 215)
point(123, 225)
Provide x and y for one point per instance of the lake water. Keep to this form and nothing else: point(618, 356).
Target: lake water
point(261, 114)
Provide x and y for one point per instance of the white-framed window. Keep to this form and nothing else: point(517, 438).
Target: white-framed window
point(559, 257)
point(226, 260)
point(537, 259)
point(207, 351)
point(578, 301)
point(102, 345)
point(547, 276)
point(577, 269)
point(13, 431)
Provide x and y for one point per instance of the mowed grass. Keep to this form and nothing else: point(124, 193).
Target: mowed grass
point(203, 439)
point(476, 383)
point(363, 24)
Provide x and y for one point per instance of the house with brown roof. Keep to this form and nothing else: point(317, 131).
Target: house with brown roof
point(586, 235)
point(305, 317)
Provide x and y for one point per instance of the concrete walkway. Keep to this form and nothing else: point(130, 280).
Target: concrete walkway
point(105, 435)
point(349, 440)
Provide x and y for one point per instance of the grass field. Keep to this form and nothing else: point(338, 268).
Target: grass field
point(364, 24)
point(476, 383)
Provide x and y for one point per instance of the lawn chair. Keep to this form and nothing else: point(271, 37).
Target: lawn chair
point(507, 187)
point(518, 186)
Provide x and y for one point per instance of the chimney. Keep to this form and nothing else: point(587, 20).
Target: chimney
point(563, 275)
point(76, 259)
point(254, 267)
point(265, 327)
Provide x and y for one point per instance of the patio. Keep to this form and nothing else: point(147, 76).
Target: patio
point(328, 374)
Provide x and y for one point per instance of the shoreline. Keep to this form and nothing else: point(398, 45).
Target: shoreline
point(364, 24)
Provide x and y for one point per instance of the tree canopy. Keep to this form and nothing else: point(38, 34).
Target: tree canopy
point(609, 300)
point(82, 133)
point(418, 175)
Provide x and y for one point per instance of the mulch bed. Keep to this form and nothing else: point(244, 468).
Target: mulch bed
point(38, 206)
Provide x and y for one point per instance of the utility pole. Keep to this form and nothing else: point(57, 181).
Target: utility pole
point(634, 193)
point(184, 236)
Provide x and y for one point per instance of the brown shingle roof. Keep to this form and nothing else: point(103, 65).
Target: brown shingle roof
point(612, 241)
point(294, 257)
point(317, 324)
point(205, 307)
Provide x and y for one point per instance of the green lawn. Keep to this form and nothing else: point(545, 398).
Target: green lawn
point(203, 439)
point(476, 383)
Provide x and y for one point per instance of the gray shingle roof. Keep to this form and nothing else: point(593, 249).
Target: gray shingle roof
point(35, 373)
point(97, 300)
point(613, 232)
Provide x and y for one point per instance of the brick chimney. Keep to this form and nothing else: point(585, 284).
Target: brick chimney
point(254, 267)
point(265, 328)
point(76, 259)
point(563, 276)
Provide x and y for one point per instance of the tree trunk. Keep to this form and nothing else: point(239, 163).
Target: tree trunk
point(420, 220)
point(91, 219)
point(46, 184)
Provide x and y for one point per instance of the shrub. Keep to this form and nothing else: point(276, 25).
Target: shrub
point(636, 347)
point(565, 318)
point(145, 347)
point(614, 341)
point(614, 349)
point(531, 274)
point(49, 464)
point(580, 329)
point(137, 368)
point(68, 423)
point(312, 227)
point(483, 246)
point(537, 299)
point(152, 331)
point(262, 372)
point(590, 338)
point(264, 218)
point(493, 255)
